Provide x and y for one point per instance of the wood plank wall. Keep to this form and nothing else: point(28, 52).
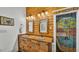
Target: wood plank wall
point(36, 10)
point(35, 44)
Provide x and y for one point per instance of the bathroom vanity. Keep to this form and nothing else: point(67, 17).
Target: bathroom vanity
point(34, 43)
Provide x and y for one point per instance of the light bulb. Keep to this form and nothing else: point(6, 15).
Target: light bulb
point(39, 15)
point(32, 17)
point(46, 13)
point(27, 18)
point(42, 14)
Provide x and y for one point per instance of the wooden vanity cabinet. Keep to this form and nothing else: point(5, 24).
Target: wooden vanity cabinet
point(27, 44)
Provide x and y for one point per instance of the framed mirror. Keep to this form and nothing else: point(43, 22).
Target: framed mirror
point(30, 24)
point(43, 26)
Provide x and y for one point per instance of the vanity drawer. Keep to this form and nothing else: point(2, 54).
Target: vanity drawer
point(43, 46)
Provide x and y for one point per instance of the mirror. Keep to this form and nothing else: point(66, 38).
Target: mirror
point(43, 26)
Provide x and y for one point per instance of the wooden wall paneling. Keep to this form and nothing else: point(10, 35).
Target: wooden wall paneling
point(40, 46)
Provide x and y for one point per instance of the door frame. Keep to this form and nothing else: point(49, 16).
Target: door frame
point(77, 27)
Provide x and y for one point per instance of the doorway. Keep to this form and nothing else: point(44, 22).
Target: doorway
point(66, 32)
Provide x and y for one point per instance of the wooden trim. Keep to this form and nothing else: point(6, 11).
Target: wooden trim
point(37, 35)
point(66, 10)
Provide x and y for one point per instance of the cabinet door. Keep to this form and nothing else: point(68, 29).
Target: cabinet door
point(66, 32)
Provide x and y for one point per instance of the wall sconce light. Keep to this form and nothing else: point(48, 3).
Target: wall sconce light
point(38, 15)
point(32, 17)
point(42, 14)
point(46, 13)
point(27, 18)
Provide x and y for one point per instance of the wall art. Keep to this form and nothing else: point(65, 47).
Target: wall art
point(6, 21)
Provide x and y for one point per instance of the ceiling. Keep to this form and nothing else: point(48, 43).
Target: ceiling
point(36, 10)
